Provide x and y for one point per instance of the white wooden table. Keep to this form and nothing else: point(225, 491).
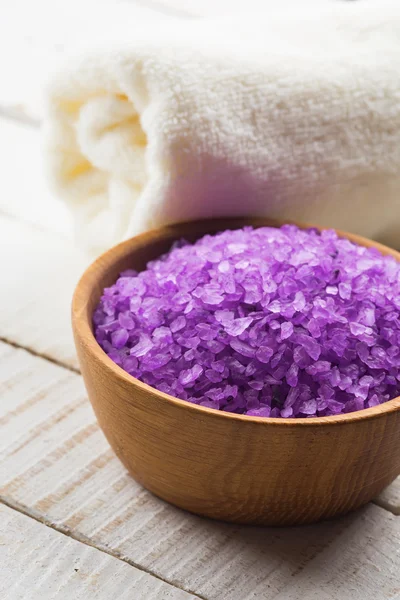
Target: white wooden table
point(73, 524)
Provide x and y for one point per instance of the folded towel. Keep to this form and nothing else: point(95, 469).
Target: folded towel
point(294, 115)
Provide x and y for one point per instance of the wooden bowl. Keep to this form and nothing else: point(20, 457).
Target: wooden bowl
point(222, 465)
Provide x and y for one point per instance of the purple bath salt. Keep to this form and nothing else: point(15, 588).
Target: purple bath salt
point(265, 322)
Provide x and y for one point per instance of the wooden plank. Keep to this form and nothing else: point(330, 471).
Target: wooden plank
point(25, 194)
point(362, 563)
point(39, 563)
point(39, 271)
point(39, 267)
point(54, 460)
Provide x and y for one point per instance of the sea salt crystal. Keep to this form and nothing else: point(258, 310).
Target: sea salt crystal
point(268, 322)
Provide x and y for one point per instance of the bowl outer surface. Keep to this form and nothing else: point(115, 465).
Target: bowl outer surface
point(231, 467)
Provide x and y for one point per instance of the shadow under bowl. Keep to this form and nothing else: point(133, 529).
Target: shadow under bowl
point(222, 465)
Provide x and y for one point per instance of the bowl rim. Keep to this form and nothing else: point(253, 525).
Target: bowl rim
point(82, 324)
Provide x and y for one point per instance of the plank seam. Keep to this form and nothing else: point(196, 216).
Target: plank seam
point(33, 352)
point(83, 539)
point(387, 506)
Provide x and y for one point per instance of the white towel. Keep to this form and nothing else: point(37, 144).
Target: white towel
point(290, 114)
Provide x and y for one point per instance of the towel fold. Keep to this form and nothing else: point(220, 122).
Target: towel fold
point(293, 115)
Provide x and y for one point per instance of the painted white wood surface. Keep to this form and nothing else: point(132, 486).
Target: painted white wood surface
point(38, 563)
point(55, 462)
point(39, 270)
point(361, 564)
point(25, 193)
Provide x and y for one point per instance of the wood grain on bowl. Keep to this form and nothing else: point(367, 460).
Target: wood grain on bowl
point(226, 466)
